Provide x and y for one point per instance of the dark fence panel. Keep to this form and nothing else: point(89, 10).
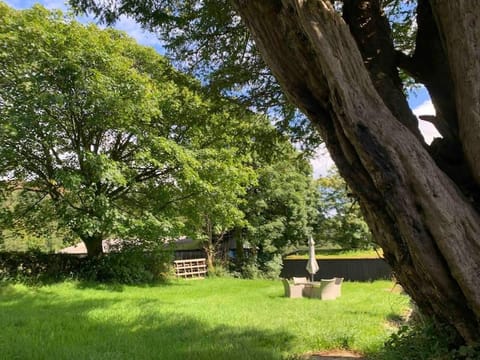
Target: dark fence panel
point(350, 269)
point(189, 254)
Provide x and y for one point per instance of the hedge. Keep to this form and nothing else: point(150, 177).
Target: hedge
point(129, 267)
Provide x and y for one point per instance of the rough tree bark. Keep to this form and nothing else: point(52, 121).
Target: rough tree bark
point(344, 78)
point(93, 244)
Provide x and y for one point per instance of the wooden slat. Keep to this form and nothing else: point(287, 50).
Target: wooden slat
point(190, 268)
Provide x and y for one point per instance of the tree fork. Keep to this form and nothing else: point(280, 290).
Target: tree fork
point(429, 65)
point(371, 31)
point(428, 230)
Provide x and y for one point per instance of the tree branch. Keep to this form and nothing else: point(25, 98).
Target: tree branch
point(372, 33)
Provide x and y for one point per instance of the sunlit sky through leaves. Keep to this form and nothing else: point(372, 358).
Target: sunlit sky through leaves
point(418, 99)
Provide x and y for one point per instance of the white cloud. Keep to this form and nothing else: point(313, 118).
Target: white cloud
point(132, 28)
point(321, 162)
point(427, 129)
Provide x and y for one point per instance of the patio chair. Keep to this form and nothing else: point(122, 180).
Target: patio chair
point(292, 290)
point(299, 280)
point(338, 286)
point(325, 290)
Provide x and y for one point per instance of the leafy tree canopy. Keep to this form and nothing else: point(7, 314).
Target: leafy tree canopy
point(280, 209)
point(106, 133)
point(208, 40)
point(341, 222)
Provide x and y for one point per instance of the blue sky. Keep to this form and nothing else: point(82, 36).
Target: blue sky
point(125, 24)
point(418, 100)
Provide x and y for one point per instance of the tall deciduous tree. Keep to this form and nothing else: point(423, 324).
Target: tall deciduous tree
point(337, 62)
point(104, 131)
point(280, 209)
point(340, 221)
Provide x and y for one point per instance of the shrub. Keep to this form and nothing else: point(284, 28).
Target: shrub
point(122, 268)
point(251, 270)
point(132, 262)
point(271, 269)
point(219, 270)
point(34, 267)
point(128, 265)
point(262, 268)
point(426, 340)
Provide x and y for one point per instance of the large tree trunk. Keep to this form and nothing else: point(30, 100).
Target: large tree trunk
point(93, 244)
point(210, 253)
point(344, 78)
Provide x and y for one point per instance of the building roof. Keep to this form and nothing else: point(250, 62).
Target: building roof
point(81, 249)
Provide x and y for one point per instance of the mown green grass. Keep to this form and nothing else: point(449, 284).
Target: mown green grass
point(204, 319)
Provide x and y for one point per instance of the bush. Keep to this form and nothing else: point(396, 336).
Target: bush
point(129, 265)
point(251, 270)
point(219, 270)
point(262, 268)
point(122, 268)
point(131, 262)
point(426, 340)
point(271, 269)
point(33, 267)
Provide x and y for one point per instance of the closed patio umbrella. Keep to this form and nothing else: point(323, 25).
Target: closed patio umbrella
point(312, 265)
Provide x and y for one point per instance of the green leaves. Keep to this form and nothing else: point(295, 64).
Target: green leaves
point(97, 125)
point(208, 40)
point(116, 142)
point(119, 144)
point(341, 222)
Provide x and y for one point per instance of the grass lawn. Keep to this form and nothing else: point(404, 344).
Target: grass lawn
point(203, 319)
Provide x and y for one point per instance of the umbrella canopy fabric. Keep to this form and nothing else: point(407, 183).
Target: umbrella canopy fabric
point(312, 265)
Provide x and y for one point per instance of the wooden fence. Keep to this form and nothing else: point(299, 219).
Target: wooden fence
point(190, 268)
point(349, 269)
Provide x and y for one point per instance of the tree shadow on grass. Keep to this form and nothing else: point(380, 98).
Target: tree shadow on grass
point(99, 286)
point(39, 326)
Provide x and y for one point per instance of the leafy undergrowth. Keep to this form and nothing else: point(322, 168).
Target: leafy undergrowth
point(207, 319)
point(424, 339)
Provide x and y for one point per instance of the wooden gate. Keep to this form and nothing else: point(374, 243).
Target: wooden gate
point(190, 268)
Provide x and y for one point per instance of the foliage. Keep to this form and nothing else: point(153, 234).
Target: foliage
point(213, 212)
point(217, 318)
point(262, 267)
point(425, 341)
point(37, 267)
point(37, 232)
point(131, 262)
point(268, 206)
point(401, 15)
point(219, 271)
point(341, 221)
point(209, 40)
point(279, 211)
point(133, 265)
point(105, 135)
